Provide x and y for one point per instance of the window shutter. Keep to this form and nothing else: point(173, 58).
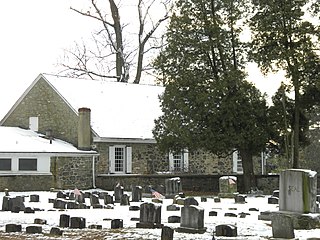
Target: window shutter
point(129, 159)
point(171, 166)
point(111, 159)
point(186, 161)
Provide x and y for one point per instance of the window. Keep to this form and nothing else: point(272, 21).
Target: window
point(5, 164)
point(178, 161)
point(237, 162)
point(120, 160)
point(34, 123)
point(27, 164)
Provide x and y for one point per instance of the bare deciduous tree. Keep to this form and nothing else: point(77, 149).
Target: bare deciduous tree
point(113, 48)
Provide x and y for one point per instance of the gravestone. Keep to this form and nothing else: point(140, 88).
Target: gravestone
point(118, 192)
point(167, 233)
point(33, 229)
point(116, 223)
point(124, 201)
point(298, 190)
point(56, 231)
point(192, 220)
point(173, 207)
point(240, 198)
point(173, 187)
point(94, 199)
point(59, 203)
point(13, 227)
point(282, 226)
point(150, 216)
point(226, 230)
point(227, 186)
point(108, 199)
point(136, 194)
point(64, 220)
point(174, 219)
point(77, 222)
point(190, 201)
point(34, 198)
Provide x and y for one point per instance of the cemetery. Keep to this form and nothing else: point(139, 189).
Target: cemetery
point(291, 212)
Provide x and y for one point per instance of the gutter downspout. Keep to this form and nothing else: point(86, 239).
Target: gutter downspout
point(93, 172)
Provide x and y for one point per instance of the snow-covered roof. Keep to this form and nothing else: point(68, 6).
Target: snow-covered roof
point(18, 140)
point(118, 110)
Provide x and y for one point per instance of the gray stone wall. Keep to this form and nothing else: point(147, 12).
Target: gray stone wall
point(26, 182)
point(52, 111)
point(72, 172)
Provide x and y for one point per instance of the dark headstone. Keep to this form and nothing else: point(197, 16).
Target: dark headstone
point(29, 210)
point(136, 194)
point(72, 205)
point(34, 198)
point(64, 220)
point(40, 221)
point(134, 208)
point(56, 231)
point(203, 199)
point(13, 227)
point(97, 206)
point(150, 216)
point(173, 207)
point(94, 199)
point(95, 226)
point(190, 201)
point(240, 198)
point(226, 230)
point(59, 203)
point(77, 222)
point(33, 229)
point(108, 199)
point(253, 209)
point(167, 233)
point(174, 219)
point(273, 200)
point(62, 194)
point(118, 192)
point(276, 193)
point(124, 201)
point(217, 200)
point(230, 215)
point(213, 213)
point(116, 223)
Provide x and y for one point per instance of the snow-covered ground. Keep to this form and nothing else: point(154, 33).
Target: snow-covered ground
point(248, 228)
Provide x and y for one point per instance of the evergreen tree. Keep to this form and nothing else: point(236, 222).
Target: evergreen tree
point(284, 39)
point(207, 103)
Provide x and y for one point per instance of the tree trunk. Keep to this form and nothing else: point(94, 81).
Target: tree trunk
point(119, 43)
point(249, 180)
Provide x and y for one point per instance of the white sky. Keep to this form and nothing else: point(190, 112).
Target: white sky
point(33, 36)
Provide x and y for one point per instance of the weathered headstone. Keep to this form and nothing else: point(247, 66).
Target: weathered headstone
point(13, 227)
point(108, 199)
point(226, 230)
point(240, 198)
point(29, 210)
point(116, 223)
point(173, 207)
point(190, 201)
point(33, 229)
point(192, 220)
point(174, 219)
point(39, 221)
point(77, 222)
point(56, 231)
point(167, 233)
point(282, 226)
point(298, 190)
point(124, 200)
point(150, 216)
point(64, 220)
point(227, 186)
point(273, 200)
point(213, 213)
point(94, 199)
point(173, 187)
point(34, 198)
point(59, 203)
point(136, 194)
point(118, 192)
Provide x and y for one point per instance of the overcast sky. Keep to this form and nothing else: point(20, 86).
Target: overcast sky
point(33, 36)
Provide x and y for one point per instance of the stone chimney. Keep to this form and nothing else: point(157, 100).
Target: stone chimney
point(84, 129)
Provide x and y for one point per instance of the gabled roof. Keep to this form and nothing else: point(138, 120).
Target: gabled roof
point(118, 110)
point(18, 140)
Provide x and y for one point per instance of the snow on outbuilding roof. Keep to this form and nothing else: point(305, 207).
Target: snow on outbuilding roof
point(18, 140)
point(118, 110)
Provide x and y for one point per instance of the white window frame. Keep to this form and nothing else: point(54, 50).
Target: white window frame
point(237, 162)
point(184, 161)
point(127, 161)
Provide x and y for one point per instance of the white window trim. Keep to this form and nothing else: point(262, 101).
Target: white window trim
point(127, 167)
point(185, 164)
point(34, 123)
point(237, 162)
